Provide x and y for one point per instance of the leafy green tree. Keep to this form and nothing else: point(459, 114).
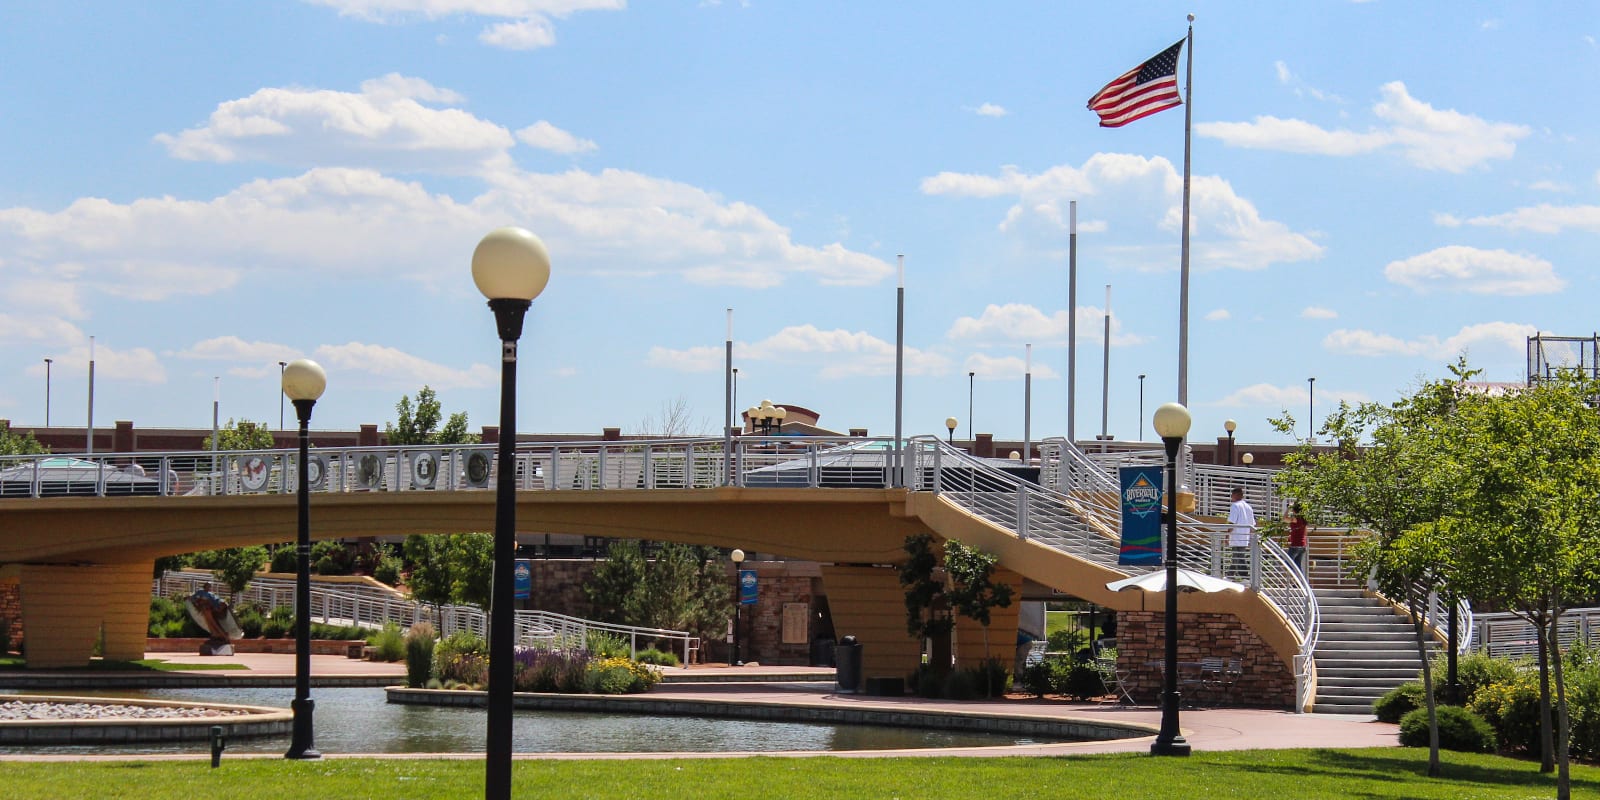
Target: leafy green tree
point(1522, 527)
point(418, 422)
point(241, 435)
point(683, 588)
point(1391, 485)
point(927, 605)
point(234, 566)
point(472, 576)
point(450, 568)
point(19, 444)
point(973, 592)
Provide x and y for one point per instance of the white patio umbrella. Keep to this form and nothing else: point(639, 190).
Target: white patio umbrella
point(1188, 581)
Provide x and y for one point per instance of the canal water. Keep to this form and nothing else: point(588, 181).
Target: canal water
point(359, 720)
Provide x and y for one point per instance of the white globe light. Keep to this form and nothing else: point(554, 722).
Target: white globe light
point(1171, 421)
point(737, 555)
point(510, 264)
point(304, 379)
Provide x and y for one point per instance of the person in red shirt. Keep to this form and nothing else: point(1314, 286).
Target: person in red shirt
point(1297, 537)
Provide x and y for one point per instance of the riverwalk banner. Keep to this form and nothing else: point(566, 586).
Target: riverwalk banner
point(747, 587)
point(1141, 515)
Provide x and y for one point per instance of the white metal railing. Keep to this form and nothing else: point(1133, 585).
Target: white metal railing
point(1506, 635)
point(1080, 514)
point(689, 463)
point(369, 607)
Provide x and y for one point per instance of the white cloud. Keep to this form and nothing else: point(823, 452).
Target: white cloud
point(545, 136)
point(1228, 230)
point(1301, 88)
point(1293, 396)
point(232, 348)
point(398, 368)
point(992, 368)
point(1494, 335)
point(1469, 269)
point(385, 125)
point(135, 365)
point(1543, 218)
point(991, 110)
point(529, 29)
point(1318, 312)
point(1218, 315)
point(525, 34)
point(1550, 186)
point(1429, 138)
point(836, 353)
point(1020, 322)
point(359, 222)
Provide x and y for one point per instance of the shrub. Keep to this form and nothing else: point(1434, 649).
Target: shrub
point(1473, 671)
point(657, 657)
point(168, 619)
point(1066, 641)
point(1583, 704)
point(542, 670)
point(284, 560)
point(1082, 681)
point(619, 676)
point(1512, 709)
point(387, 570)
point(1459, 729)
point(331, 558)
point(1038, 678)
point(605, 645)
point(960, 684)
point(388, 644)
point(462, 656)
point(250, 619)
point(419, 654)
point(1399, 701)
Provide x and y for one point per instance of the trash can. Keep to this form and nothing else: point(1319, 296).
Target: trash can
point(847, 666)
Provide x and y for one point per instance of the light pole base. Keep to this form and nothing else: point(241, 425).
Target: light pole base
point(1176, 746)
point(301, 746)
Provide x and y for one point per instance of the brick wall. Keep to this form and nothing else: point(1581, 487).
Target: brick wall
point(11, 613)
point(1266, 682)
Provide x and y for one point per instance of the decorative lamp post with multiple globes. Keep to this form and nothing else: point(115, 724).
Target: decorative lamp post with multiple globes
point(737, 557)
point(303, 381)
point(510, 267)
point(766, 418)
point(1171, 422)
point(950, 424)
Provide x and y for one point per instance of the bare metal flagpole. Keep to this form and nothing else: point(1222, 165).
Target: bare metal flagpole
point(727, 412)
point(1183, 264)
point(899, 478)
point(1072, 323)
point(1105, 376)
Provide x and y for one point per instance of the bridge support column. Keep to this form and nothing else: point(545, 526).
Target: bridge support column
point(869, 604)
point(64, 609)
point(1002, 628)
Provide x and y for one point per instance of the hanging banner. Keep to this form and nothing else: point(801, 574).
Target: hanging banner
point(747, 587)
point(524, 579)
point(1141, 515)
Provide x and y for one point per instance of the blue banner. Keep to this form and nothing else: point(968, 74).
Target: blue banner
point(524, 579)
point(1141, 515)
point(747, 587)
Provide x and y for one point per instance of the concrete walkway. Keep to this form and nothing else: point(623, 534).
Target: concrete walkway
point(1205, 729)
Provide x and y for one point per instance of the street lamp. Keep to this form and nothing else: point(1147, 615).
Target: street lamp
point(738, 558)
point(1171, 422)
point(47, 363)
point(1248, 458)
point(765, 417)
point(303, 382)
point(1230, 426)
point(1141, 409)
point(950, 423)
point(282, 365)
point(510, 267)
point(971, 377)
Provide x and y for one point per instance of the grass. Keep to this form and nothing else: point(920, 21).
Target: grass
point(10, 662)
point(1369, 773)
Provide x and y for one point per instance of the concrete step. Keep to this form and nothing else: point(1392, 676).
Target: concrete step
point(1349, 694)
point(1336, 707)
point(1324, 664)
point(1367, 683)
point(1352, 628)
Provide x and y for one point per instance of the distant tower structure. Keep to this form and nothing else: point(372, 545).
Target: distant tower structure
point(1549, 356)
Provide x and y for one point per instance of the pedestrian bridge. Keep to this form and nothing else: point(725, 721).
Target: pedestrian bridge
point(81, 533)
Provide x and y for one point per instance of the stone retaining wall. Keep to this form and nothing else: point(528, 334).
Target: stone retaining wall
point(1265, 683)
point(320, 647)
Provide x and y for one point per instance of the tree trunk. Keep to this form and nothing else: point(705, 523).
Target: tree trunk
point(1418, 607)
point(1547, 761)
point(1564, 723)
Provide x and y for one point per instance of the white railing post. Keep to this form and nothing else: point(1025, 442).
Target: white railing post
point(938, 470)
point(1022, 512)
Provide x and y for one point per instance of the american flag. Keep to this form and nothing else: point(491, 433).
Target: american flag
point(1141, 91)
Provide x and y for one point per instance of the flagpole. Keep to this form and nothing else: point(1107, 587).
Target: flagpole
point(1183, 263)
point(1072, 323)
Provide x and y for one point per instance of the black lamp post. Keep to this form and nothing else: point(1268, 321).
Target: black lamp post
point(950, 424)
point(303, 382)
point(1230, 426)
point(738, 602)
point(510, 267)
point(47, 363)
point(1171, 423)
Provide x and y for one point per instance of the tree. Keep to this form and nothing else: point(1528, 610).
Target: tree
point(674, 419)
point(419, 423)
point(234, 566)
point(927, 604)
point(682, 588)
point(973, 592)
point(19, 444)
point(241, 435)
point(1392, 485)
point(1522, 527)
point(450, 568)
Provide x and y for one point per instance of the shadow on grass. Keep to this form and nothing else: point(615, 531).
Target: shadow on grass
point(1408, 766)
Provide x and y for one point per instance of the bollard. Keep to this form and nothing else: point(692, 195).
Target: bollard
point(218, 744)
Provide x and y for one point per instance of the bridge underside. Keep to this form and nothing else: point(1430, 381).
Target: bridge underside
point(86, 563)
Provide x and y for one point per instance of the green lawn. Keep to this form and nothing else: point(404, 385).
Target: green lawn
point(10, 662)
point(1285, 774)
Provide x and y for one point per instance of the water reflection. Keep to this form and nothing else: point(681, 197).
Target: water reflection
point(358, 720)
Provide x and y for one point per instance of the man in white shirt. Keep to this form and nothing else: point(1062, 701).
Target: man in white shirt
point(1243, 519)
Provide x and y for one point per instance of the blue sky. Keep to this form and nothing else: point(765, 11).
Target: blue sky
point(208, 189)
